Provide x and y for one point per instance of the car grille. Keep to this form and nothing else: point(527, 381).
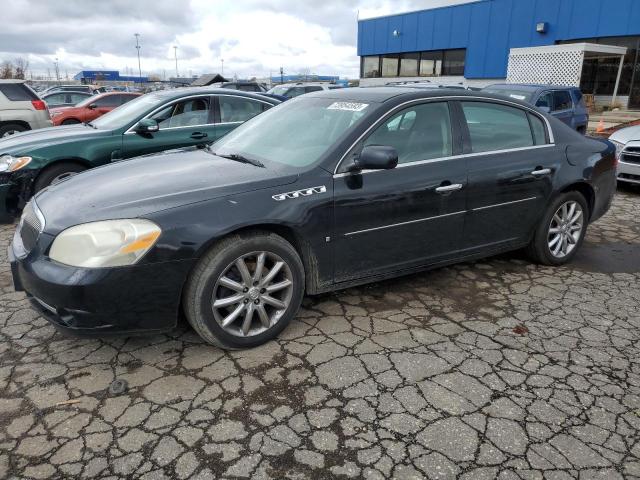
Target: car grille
point(631, 155)
point(31, 225)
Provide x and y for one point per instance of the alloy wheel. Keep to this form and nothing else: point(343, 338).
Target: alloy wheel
point(252, 294)
point(565, 229)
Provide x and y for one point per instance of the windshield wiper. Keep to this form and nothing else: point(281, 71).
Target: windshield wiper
point(239, 158)
point(89, 124)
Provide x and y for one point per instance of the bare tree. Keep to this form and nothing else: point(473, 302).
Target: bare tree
point(21, 66)
point(6, 69)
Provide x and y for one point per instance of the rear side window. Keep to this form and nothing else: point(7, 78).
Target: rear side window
point(538, 130)
point(126, 98)
point(17, 92)
point(561, 100)
point(496, 127)
point(312, 89)
point(420, 132)
point(295, 91)
point(238, 109)
point(108, 101)
point(545, 100)
point(577, 97)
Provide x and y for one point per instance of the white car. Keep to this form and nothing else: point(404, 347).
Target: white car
point(627, 142)
point(291, 90)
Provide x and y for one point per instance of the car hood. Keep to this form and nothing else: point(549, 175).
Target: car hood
point(22, 143)
point(148, 184)
point(625, 135)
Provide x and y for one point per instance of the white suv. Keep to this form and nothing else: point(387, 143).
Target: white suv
point(291, 90)
point(21, 109)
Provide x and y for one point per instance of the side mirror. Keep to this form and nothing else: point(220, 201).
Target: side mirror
point(147, 125)
point(545, 109)
point(92, 106)
point(376, 157)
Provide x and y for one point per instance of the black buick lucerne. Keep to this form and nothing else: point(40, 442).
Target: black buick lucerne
point(325, 191)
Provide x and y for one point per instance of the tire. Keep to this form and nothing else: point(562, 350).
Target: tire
point(56, 172)
point(544, 244)
point(10, 128)
point(70, 121)
point(209, 285)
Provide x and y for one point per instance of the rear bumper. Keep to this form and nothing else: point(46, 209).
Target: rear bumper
point(629, 172)
point(124, 300)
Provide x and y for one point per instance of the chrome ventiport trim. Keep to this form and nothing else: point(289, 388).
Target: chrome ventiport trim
point(299, 193)
point(403, 223)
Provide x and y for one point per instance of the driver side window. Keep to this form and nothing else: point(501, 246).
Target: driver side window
point(186, 113)
point(420, 132)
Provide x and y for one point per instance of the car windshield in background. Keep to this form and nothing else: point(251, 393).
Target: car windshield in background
point(522, 95)
point(281, 90)
point(295, 133)
point(123, 115)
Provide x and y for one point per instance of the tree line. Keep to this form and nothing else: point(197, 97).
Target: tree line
point(14, 69)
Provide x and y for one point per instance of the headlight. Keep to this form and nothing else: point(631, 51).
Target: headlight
point(110, 243)
point(9, 163)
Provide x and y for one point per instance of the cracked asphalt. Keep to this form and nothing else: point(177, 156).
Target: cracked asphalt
point(492, 369)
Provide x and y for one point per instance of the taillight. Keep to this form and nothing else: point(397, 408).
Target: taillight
point(39, 104)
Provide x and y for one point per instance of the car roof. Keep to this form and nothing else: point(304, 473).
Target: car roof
point(186, 91)
point(383, 94)
point(530, 87)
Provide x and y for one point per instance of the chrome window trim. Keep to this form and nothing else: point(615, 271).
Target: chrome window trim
point(444, 159)
point(456, 98)
point(130, 130)
point(392, 225)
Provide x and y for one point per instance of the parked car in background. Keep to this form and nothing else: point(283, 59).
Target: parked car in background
point(64, 99)
point(20, 108)
point(92, 89)
point(90, 108)
point(150, 123)
point(334, 189)
point(244, 86)
point(564, 103)
point(290, 90)
point(627, 142)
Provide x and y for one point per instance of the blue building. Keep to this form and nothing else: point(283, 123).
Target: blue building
point(472, 41)
point(92, 76)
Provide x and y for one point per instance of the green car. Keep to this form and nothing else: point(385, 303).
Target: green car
point(32, 160)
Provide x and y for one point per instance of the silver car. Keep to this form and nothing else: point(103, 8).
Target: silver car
point(627, 142)
point(21, 109)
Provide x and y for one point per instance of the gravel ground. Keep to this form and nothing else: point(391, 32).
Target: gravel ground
point(496, 368)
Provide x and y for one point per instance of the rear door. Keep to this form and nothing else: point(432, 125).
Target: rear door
point(182, 123)
point(232, 111)
point(512, 161)
point(389, 220)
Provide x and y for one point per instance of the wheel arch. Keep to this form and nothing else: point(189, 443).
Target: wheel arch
point(587, 192)
point(74, 160)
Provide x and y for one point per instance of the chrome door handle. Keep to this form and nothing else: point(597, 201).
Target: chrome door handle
point(449, 188)
point(541, 172)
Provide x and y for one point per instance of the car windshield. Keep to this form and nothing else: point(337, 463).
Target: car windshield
point(279, 90)
point(523, 95)
point(295, 133)
point(125, 114)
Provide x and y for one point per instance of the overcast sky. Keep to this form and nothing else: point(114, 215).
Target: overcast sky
point(254, 37)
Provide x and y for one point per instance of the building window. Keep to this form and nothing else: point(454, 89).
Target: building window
point(431, 64)
point(370, 67)
point(409, 64)
point(390, 65)
point(454, 62)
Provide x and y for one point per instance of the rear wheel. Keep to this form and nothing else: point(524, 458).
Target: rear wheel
point(245, 290)
point(56, 173)
point(11, 128)
point(561, 231)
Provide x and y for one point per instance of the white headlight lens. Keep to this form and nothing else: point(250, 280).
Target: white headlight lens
point(11, 163)
point(619, 148)
point(110, 243)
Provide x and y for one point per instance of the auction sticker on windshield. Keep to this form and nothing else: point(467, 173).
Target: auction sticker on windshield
point(349, 106)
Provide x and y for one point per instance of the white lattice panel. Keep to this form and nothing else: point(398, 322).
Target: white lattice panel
point(560, 68)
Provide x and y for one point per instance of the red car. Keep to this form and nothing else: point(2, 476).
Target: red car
point(91, 108)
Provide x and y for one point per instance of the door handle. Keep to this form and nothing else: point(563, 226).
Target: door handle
point(198, 135)
point(449, 188)
point(541, 172)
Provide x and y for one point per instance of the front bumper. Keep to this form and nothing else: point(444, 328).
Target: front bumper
point(629, 172)
point(123, 300)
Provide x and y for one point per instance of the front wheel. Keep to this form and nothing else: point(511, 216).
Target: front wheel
point(561, 231)
point(245, 290)
point(56, 173)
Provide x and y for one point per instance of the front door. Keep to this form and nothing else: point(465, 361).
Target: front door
point(511, 170)
point(388, 220)
point(182, 123)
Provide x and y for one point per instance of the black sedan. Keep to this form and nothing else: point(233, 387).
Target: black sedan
point(325, 191)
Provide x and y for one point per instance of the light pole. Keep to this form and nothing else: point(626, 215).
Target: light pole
point(57, 71)
point(137, 35)
point(175, 53)
point(222, 68)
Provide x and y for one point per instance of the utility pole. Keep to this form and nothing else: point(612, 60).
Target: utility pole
point(137, 35)
point(222, 62)
point(281, 75)
point(57, 71)
point(175, 53)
